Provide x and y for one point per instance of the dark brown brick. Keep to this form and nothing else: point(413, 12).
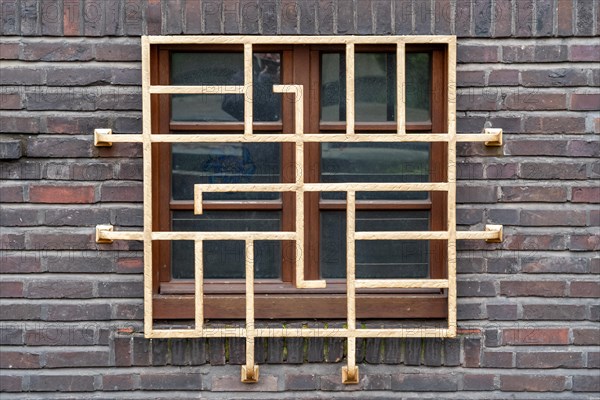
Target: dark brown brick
point(476, 289)
point(117, 52)
point(120, 289)
point(553, 218)
point(533, 288)
point(585, 102)
point(537, 171)
point(58, 147)
point(72, 18)
point(11, 335)
point(524, 18)
point(266, 383)
point(503, 18)
point(533, 194)
point(53, 289)
point(56, 51)
point(10, 101)
point(531, 100)
point(544, 17)
point(553, 312)
point(451, 352)
point(585, 195)
point(586, 383)
point(482, 15)
point(78, 312)
point(565, 17)
point(535, 336)
point(12, 241)
point(177, 381)
point(584, 53)
point(412, 351)
point(120, 382)
point(462, 18)
point(19, 360)
point(497, 359)
point(585, 17)
point(586, 336)
point(540, 53)
point(307, 16)
point(9, 51)
point(549, 359)
point(153, 16)
point(432, 354)
point(172, 12)
point(583, 148)
point(555, 124)
point(74, 359)
point(532, 383)
point(10, 383)
point(403, 20)
point(62, 383)
point(588, 242)
point(477, 54)
point(554, 77)
point(301, 382)
point(585, 289)
point(504, 77)
point(289, 15)
point(502, 312)
point(469, 311)
point(422, 17)
point(121, 192)
point(472, 352)
point(476, 194)
point(425, 383)
point(478, 382)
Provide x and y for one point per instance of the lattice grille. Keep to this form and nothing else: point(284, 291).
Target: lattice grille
point(105, 233)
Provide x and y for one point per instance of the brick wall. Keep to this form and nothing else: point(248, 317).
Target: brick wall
point(528, 307)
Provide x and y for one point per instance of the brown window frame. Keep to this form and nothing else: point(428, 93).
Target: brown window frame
point(225, 299)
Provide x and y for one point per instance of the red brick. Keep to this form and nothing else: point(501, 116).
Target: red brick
point(565, 17)
point(11, 289)
point(585, 289)
point(585, 102)
point(62, 194)
point(550, 359)
point(72, 18)
point(533, 288)
point(532, 383)
point(19, 360)
point(535, 336)
point(585, 53)
point(530, 100)
point(9, 51)
point(585, 195)
point(130, 265)
point(586, 336)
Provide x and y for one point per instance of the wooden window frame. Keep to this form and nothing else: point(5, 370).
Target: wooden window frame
point(225, 299)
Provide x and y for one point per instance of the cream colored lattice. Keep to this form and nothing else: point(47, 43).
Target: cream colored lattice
point(105, 233)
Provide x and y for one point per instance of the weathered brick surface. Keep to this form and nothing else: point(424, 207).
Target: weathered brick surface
point(71, 310)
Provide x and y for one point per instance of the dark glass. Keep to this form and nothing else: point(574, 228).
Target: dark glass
point(224, 69)
point(375, 162)
point(375, 259)
point(224, 163)
point(225, 259)
point(375, 87)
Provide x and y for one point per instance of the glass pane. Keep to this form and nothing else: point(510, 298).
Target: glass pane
point(224, 69)
point(375, 87)
point(375, 162)
point(380, 259)
point(224, 163)
point(225, 259)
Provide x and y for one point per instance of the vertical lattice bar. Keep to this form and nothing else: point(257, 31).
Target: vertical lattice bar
point(350, 88)
point(250, 368)
point(299, 171)
point(147, 192)
point(400, 88)
point(351, 371)
point(248, 89)
point(452, 187)
point(199, 285)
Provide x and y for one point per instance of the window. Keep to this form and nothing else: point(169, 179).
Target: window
point(321, 70)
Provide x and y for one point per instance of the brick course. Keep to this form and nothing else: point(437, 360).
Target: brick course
point(71, 314)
